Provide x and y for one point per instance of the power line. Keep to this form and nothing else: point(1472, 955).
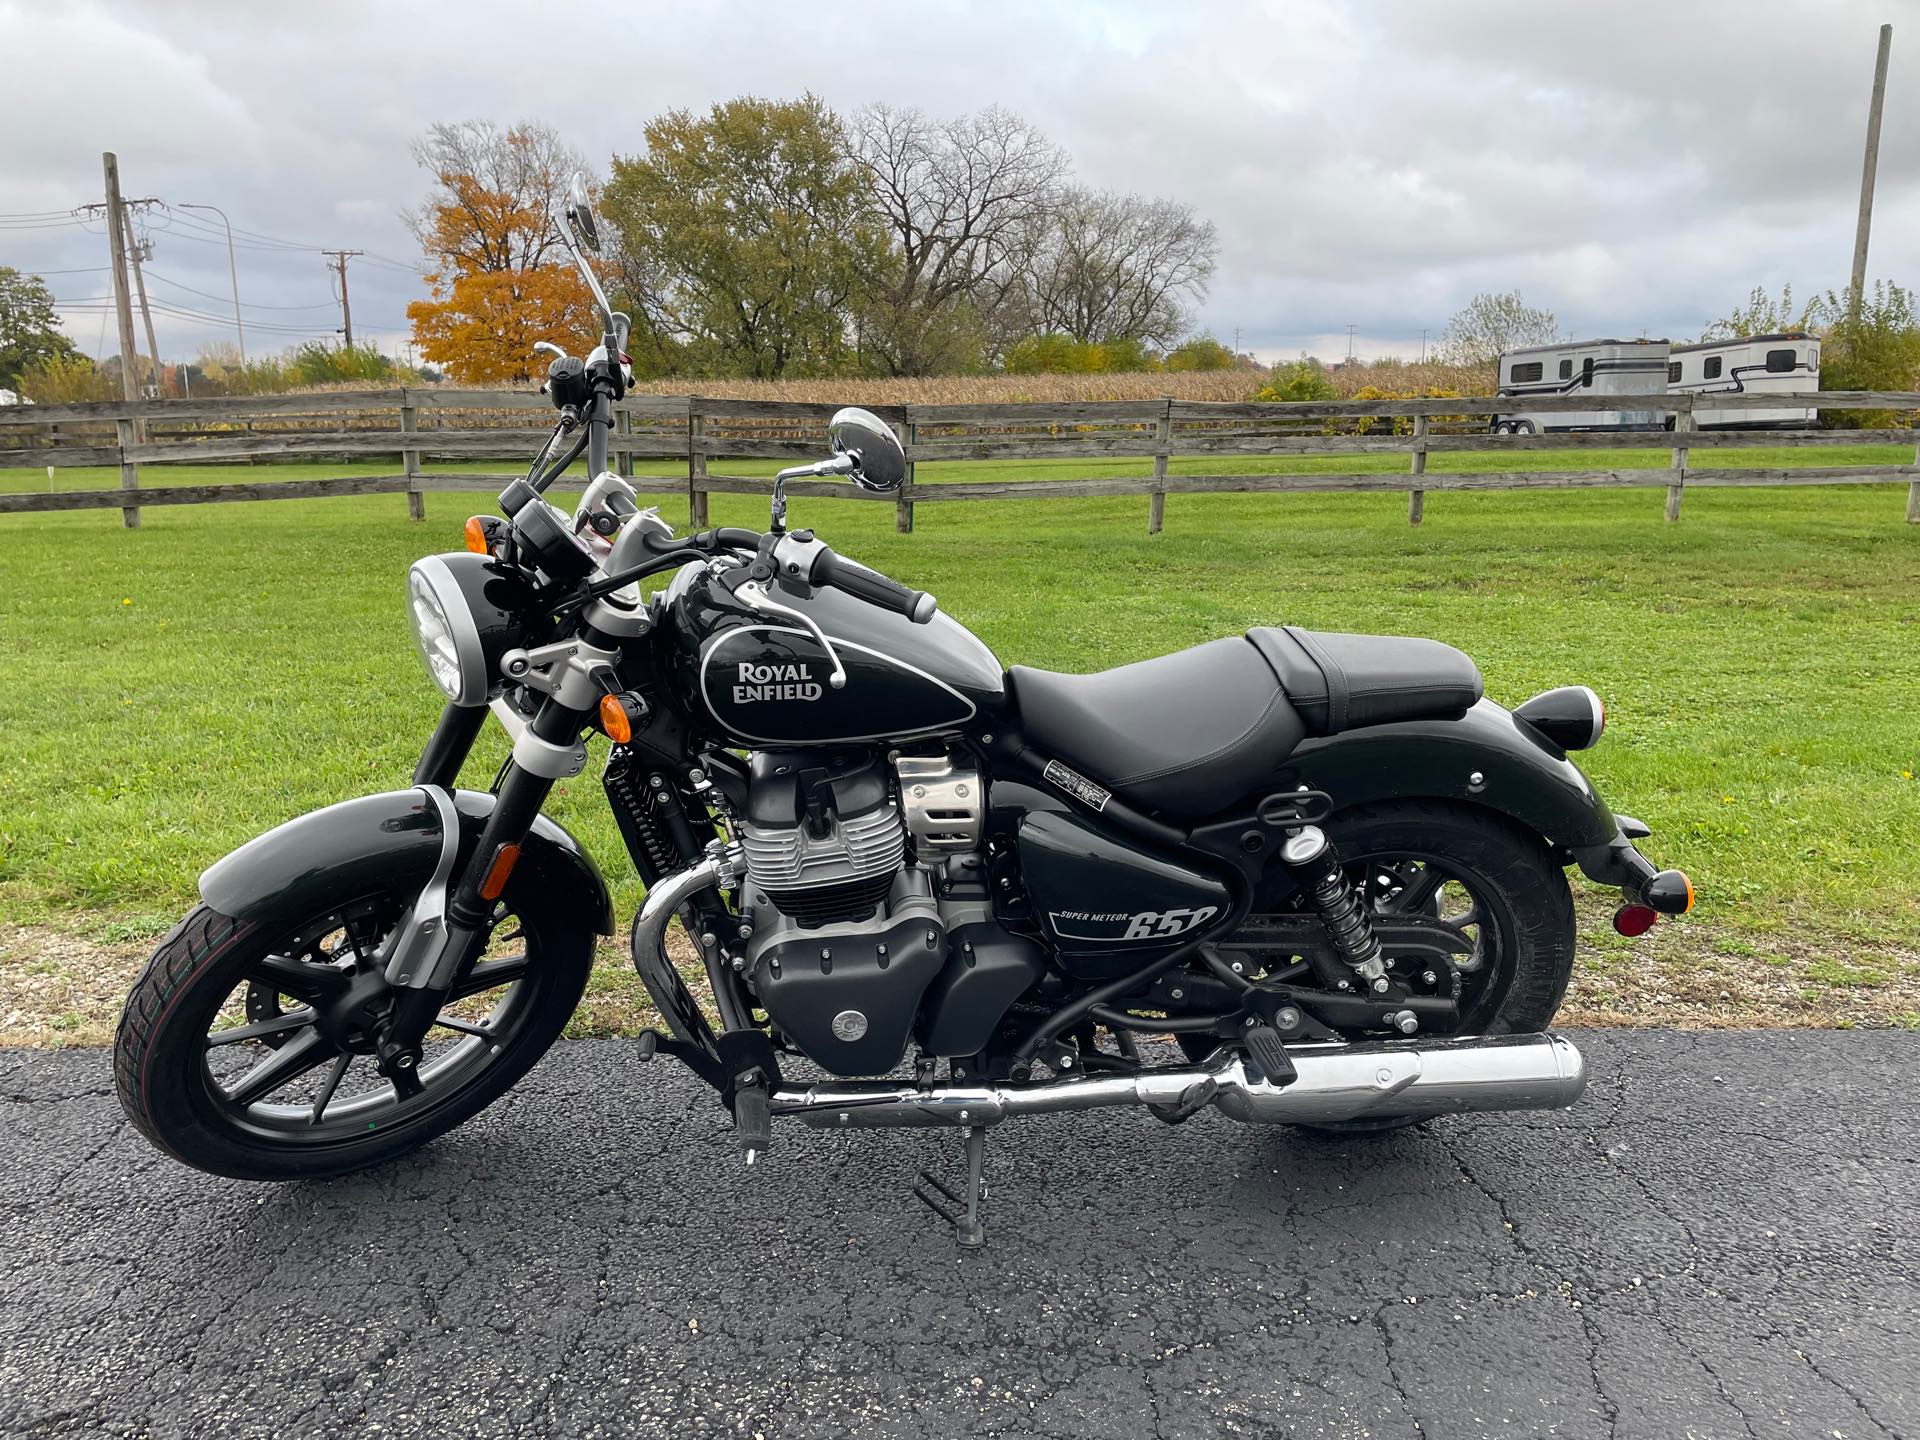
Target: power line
point(249, 305)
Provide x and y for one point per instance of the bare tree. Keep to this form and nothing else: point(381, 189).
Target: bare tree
point(1107, 266)
point(1489, 325)
point(499, 196)
point(956, 197)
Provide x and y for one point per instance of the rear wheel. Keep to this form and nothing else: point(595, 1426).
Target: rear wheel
point(247, 1050)
point(1493, 890)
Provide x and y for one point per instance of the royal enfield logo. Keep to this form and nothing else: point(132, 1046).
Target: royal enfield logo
point(791, 681)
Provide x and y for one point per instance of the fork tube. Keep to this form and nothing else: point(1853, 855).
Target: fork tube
point(448, 746)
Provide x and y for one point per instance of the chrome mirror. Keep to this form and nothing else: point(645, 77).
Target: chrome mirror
point(878, 462)
point(580, 215)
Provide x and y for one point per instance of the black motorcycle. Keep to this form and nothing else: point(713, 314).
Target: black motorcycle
point(1296, 877)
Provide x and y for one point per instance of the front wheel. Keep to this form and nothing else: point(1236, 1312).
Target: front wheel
point(246, 1050)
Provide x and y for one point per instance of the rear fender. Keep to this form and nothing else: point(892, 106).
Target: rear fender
point(388, 842)
point(1485, 758)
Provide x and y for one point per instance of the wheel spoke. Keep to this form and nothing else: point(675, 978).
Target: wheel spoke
point(328, 1086)
point(465, 1027)
point(288, 1063)
point(278, 1025)
point(297, 977)
point(489, 975)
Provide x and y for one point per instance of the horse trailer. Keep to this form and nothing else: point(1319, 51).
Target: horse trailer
point(1598, 368)
point(1751, 365)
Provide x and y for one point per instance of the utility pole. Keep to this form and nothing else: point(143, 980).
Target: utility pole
point(1870, 164)
point(340, 258)
point(1236, 342)
point(140, 288)
point(122, 305)
point(1423, 347)
point(1350, 330)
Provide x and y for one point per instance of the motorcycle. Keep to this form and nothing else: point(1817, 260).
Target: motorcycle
point(1293, 877)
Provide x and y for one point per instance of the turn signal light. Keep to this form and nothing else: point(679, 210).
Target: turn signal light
point(497, 873)
point(1632, 920)
point(615, 720)
point(1670, 892)
point(477, 536)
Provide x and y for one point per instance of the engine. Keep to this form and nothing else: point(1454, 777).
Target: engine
point(866, 895)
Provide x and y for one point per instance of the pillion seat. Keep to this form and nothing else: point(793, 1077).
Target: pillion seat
point(1189, 733)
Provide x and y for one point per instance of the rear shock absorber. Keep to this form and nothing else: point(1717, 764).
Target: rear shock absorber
point(1310, 855)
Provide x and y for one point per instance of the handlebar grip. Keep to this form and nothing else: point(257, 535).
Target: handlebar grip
point(873, 587)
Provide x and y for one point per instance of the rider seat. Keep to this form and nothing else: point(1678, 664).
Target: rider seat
point(1187, 734)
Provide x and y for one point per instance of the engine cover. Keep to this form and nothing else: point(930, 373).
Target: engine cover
point(847, 993)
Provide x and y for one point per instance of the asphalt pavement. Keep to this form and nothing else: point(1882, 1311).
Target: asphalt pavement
point(1722, 1239)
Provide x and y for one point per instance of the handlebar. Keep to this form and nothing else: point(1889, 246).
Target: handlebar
point(871, 586)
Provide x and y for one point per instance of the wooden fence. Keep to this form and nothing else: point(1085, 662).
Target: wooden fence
point(415, 427)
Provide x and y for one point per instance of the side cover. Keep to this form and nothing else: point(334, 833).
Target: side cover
point(389, 842)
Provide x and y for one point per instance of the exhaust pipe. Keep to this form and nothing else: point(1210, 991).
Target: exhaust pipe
point(1372, 1080)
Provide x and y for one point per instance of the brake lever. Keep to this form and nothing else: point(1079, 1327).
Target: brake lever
point(753, 594)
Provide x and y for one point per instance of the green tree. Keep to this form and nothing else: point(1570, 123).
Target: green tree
point(744, 234)
point(1203, 352)
point(30, 332)
point(1870, 342)
point(1762, 315)
point(1487, 326)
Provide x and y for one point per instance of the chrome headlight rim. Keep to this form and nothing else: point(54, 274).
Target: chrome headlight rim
point(433, 580)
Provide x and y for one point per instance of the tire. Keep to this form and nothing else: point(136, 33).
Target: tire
point(1508, 869)
point(167, 1087)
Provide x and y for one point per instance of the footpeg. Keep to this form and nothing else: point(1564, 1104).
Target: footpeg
point(964, 1216)
point(1195, 1098)
point(646, 1046)
point(1270, 1054)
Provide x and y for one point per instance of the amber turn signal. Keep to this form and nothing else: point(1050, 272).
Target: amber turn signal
point(615, 720)
point(1670, 892)
point(497, 873)
point(477, 536)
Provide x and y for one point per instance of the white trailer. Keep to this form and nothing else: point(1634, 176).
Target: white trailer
point(1751, 365)
point(1586, 367)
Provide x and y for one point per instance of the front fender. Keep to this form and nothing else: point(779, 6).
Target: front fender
point(1485, 758)
point(387, 842)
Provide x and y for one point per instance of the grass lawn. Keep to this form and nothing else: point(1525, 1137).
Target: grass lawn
point(166, 693)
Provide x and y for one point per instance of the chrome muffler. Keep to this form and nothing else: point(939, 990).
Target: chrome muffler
point(1371, 1080)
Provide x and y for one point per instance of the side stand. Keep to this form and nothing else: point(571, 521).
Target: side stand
point(966, 1225)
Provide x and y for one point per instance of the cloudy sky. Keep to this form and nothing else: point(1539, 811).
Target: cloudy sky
point(1634, 167)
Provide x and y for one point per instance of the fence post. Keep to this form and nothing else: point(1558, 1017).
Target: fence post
point(1417, 498)
point(129, 472)
point(624, 463)
point(1682, 425)
point(903, 507)
point(1913, 493)
point(696, 466)
point(410, 460)
point(1162, 444)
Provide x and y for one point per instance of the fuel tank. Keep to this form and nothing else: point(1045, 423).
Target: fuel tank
point(763, 680)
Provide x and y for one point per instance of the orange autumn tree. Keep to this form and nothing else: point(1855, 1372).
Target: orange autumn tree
point(491, 229)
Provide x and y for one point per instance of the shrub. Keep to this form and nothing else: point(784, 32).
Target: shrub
point(65, 380)
point(1305, 379)
point(1871, 342)
point(1203, 352)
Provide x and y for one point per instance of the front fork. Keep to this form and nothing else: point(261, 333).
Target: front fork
point(447, 926)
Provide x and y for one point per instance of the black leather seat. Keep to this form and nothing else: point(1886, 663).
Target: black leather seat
point(1341, 682)
point(1190, 733)
point(1186, 734)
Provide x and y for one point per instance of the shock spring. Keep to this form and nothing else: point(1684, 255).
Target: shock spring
point(1335, 899)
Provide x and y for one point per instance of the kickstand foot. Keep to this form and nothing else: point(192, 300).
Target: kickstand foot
point(964, 1215)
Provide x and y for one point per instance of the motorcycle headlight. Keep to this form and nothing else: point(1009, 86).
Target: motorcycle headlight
point(466, 612)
